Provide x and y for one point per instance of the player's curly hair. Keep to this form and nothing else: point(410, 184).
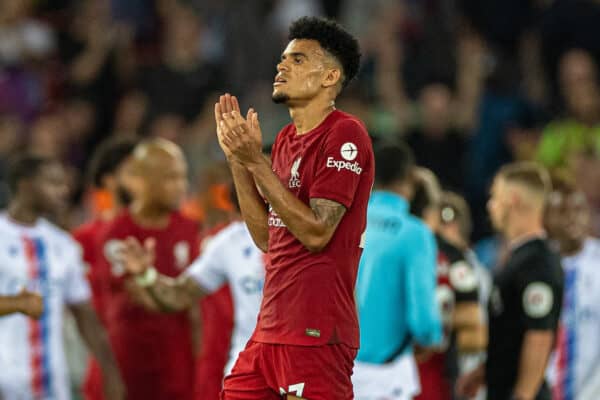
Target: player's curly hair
point(333, 38)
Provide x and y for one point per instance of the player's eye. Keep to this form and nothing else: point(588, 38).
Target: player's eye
point(298, 60)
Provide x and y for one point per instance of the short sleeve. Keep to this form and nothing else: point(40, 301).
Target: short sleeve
point(539, 296)
point(345, 155)
point(77, 289)
point(209, 269)
point(464, 281)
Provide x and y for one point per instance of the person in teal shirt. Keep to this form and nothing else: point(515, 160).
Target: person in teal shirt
point(396, 284)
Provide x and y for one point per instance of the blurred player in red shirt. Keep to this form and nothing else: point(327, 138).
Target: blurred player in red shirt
point(110, 175)
point(317, 188)
point(154, 350)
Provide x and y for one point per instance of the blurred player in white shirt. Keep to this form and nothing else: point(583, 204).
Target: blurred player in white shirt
point(232, 257)
point(38, 257)
point(574, 371)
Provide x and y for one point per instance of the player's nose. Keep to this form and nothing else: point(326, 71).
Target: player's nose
point(281, 66)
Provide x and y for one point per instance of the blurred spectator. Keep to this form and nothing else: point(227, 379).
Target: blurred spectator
point(11, 134)
point(181, 81)
point(436, 144)
point(21, 37)
point(79, 117)
point(586, 170)
point(97, 54)
point(437, 125)
point(25, 43)
point(200, 146)
point(130, 114)
point(284, 12)
point(47, 136)
point(568, 25)
point(579, 126)
point(167, 126)
point(501, 22)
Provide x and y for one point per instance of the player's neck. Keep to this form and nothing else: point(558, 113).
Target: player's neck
point(308, 116)
point(523, 230)
point(148, 215)
point(22, 213)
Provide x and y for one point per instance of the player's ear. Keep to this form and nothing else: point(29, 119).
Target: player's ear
point(333, 77)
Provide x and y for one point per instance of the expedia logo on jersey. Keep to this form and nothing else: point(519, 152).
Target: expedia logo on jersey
point(295, 174)
point(348, 151)
point(274, 219)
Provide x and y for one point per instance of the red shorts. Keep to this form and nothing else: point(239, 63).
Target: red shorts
point(266, 371)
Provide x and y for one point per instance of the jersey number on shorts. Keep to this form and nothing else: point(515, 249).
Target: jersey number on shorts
point(297, 389)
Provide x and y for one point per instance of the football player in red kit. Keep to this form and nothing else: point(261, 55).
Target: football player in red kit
point(110, 172)
point(154, 350)
point(307, 210)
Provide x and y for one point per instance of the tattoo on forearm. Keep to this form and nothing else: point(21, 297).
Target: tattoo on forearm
point(328, 211)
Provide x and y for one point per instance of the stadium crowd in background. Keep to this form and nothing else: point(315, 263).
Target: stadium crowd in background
point(468, 85)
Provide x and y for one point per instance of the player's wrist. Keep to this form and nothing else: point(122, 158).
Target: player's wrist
point(21, 304)
point(147, 278)
point(255, 163)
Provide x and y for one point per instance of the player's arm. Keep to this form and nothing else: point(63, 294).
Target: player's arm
point(471, 334)
point(172, 294)
point(540, 301)
point(28, 303)
point(167, 294)
point(252, 205)
point(140, 296)
point(95, 337)
point(424, 318)
point(312, 225)
point(537, 346)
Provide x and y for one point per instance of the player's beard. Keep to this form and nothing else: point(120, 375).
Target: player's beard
point(124, 197)
point(280, 98)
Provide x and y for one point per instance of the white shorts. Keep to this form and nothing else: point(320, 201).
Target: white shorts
point(397, 380)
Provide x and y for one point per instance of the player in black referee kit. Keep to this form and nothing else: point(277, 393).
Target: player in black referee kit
point(524, 306)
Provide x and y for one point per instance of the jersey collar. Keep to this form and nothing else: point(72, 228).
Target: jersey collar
point(524, 239)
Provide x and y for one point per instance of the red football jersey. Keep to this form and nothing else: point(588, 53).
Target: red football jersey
point(309, 297)
point(88, 236)
point(154, 350)
point(216, 311)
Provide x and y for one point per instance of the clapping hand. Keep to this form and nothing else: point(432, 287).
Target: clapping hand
point(239, 137)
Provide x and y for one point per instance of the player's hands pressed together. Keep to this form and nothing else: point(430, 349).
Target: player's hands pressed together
point(32, 304)
point(240, 139)
point(134, 257)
